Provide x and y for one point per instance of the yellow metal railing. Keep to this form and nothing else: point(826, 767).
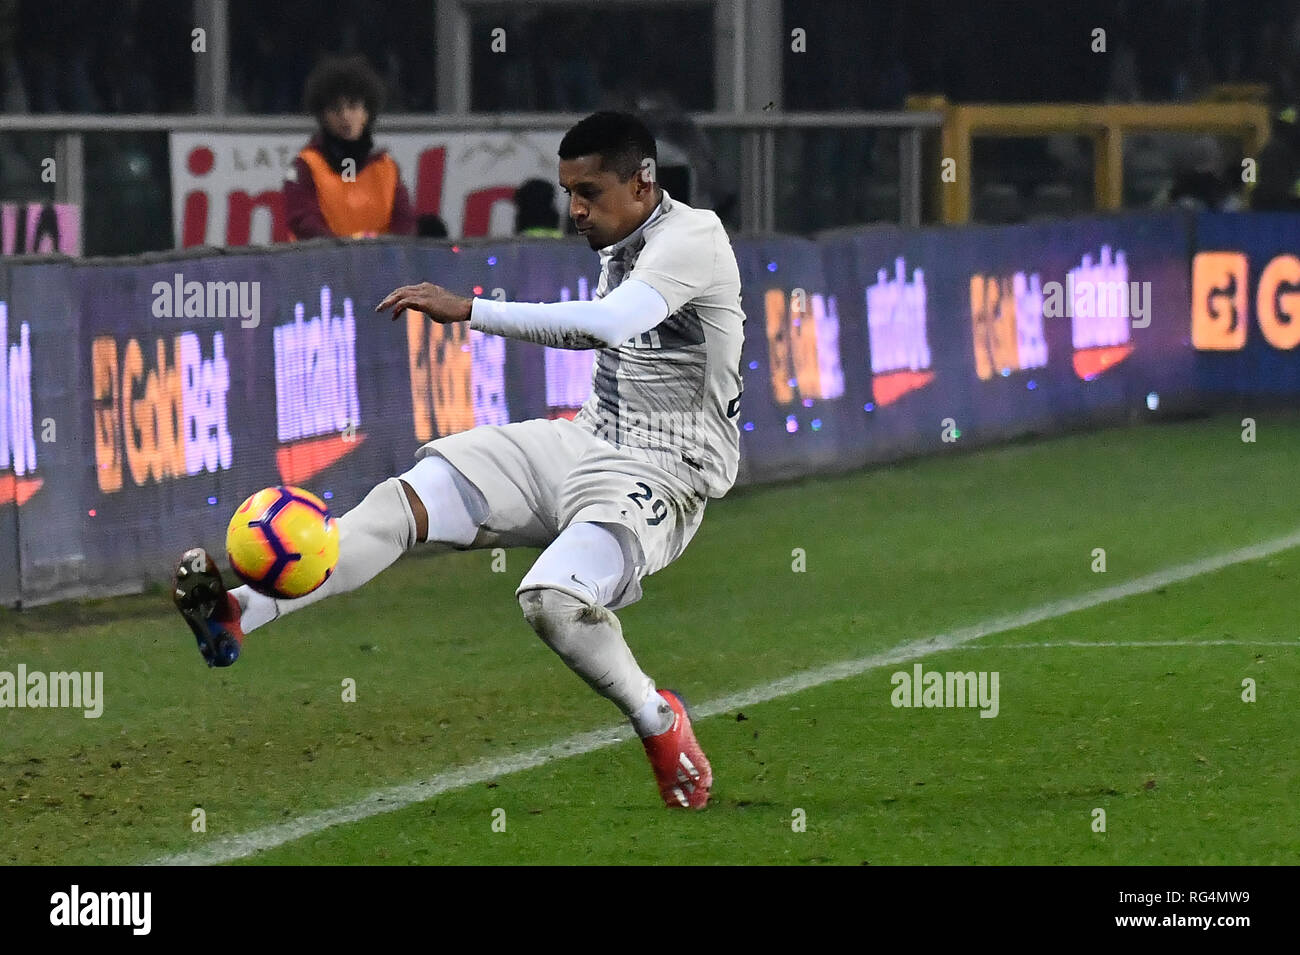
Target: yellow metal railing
point(1106, 124)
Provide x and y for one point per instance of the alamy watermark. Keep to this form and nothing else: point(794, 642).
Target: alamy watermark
point(58, 689)
point(681, 432)
point(181, 299)
point(1084, 298)
point(946, 689)
point(75, 907)
point(1099, 290)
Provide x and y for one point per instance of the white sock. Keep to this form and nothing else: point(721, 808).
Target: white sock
point(455, 507)
point(654, 717)
point(371, 537)
point(589, 639)
point(254, 608)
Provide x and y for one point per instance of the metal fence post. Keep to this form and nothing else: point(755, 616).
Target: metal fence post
point(909, 177)
point(212, 69)
point(70, 169)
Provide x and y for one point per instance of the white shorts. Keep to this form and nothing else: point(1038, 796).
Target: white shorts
point(540, 476)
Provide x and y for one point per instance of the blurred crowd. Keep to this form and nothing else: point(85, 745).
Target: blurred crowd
point(83, 56)
point(134, 56)
point(89, 56)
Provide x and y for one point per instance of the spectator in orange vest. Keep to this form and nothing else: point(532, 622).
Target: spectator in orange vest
point(340, 185)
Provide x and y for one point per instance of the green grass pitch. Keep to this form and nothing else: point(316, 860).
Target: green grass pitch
point(1146, 721)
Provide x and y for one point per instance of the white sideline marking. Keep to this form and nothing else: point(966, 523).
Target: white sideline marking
point(229, 848)
point(1139, 643)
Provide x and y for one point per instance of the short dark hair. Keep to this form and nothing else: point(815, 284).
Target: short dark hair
point(620, 139)
point(430, 226)
point(336, 78)
point(535, 205)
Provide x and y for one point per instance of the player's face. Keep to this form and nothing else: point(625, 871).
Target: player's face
point(604, 210)
point(347, 119)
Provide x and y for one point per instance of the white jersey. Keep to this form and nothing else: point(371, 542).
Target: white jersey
point(671, 395)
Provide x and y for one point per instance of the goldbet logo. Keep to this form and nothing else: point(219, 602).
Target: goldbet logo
point(458, 376)
point(160, 409)
point(317, 408)
point(1220, 301)
point(1277, 302)
point(803, 345)
point(1007, 321)
point(17, 439)
point(900, 347)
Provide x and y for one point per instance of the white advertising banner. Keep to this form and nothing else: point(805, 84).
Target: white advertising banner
point(227, 187)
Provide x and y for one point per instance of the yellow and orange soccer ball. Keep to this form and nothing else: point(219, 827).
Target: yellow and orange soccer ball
point(283, 542)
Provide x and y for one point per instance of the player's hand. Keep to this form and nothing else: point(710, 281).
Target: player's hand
point(433, 300)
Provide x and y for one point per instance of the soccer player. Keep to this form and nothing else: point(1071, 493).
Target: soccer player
point(614, 495)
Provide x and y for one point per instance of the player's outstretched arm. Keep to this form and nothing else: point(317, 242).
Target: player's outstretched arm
point(435, 301)
point(632, 308)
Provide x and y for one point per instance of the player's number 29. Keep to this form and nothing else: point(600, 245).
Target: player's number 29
point(658, 507)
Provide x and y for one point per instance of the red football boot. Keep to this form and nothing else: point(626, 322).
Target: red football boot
point(680, 766)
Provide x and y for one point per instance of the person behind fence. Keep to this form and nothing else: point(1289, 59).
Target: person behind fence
point(340, 185)
point(535, 213)
point(1277, 187)
point(430, 226)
